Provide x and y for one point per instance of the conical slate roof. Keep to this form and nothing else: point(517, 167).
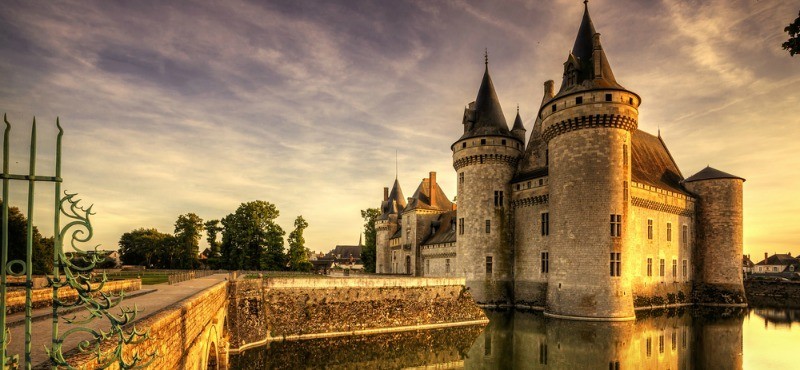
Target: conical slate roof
point(583, 56)
point(488, 119)
point(709, 173)
point(518, 123)
point(395, 203)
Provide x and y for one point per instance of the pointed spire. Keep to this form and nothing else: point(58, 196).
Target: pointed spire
point(487, 117)
point(359, 239)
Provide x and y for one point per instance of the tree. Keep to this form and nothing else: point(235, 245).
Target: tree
point(793, 44)
point(148, 247)
point(42, 248)
point(368, 252)
point(298, 257)
point(213, 229)
point(251, 240)
point(188, 230)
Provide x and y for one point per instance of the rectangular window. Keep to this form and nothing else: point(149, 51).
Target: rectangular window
point(545, 224)
point(460, 226)
point(461, 178)
point(649, 346)
point(447, 265)
point(483, 142)
point(616, 264)
point(427, 266)
point(661, 268)
point(674, 340)
point(488, 226)
point(488, 264)
point(649, 267)
point(543, 353)
point(674, 268)
point(545, 262)
point(553, 108)
point(660, 344)
point(487, 345)
point(546, 157)
point(616, 225)
point(579, 100)
point(625, 154)
point(685, 235)
point(608, 97)
point(650, 229)
point(625, 191)
point(498, 198)
point(685, 268)
point(669, 231)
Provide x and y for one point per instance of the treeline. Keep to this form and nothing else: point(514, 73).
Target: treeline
point(247, 239)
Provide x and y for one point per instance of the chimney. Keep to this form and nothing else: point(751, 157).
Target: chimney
point(432, 189)
point(549, 88)
point(385, 194)
point(766, 255)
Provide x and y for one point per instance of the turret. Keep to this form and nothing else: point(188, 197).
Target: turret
point(519, 129)
point(386, 225)
point(719, 243)
point(587, 126)
point(485, 159)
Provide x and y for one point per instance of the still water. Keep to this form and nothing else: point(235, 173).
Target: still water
point(670, 339)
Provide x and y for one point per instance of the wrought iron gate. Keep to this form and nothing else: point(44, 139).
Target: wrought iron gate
point(71, 270)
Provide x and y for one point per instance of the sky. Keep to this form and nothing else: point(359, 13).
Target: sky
point(199, 106)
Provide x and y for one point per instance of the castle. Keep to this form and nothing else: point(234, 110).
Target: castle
point(588, 219)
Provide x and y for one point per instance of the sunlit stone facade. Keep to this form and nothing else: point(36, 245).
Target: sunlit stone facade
point(588, 219)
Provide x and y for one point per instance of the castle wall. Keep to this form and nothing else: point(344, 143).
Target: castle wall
point(719, 240)
point(530, 282)
point(486, 169)
point(439, 260)
point(662, 208)
point(383, 230)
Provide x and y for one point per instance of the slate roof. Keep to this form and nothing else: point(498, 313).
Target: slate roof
point(518, 123)
point(421, 198)
point(779, 259)
point(395, 203)
point(582, 55)
point(487, 118)
point(709, 173)
point(345, 251)
point(652, 164)
point(533, 174)
point(445, 229)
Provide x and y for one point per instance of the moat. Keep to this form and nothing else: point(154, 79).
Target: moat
point(662, 339)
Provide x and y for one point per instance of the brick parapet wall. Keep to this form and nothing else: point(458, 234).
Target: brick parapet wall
point(15, 299)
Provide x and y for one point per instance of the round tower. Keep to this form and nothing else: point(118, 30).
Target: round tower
point(718, 239)
point(587, 126)
point(485, 158)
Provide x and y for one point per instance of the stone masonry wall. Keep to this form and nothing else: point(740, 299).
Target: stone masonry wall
point(15, 299)
point(530, 282)
point(270, 308)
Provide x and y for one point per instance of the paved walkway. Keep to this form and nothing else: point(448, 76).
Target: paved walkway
point(148, 304)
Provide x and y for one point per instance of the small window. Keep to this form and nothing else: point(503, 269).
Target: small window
point(488, 226)
point(498, 198)
point(547, 157)
point(685, 235)
point(483, 141)
point(616, 264)
point(461, 178)
point(464, 144)
point(650, 229)
point(517, 187)
point(460, 226)
point(545, 262)
point(608, 97)
point(579, 100)
point(649, 267)
point(661, 268)
point(543, 353)
point(648, 346)
point(660, 344)
point(630, 101)
point(488, 264)
point(529, 184)
point(616, 226)
point(553, 107)
point(545, 224)
point(503, 142)
point(487, 345)
point(427, 267)
point(685, 268)
point(669, 231)
point(541, 182)
point(447, 265)
point(674, 268)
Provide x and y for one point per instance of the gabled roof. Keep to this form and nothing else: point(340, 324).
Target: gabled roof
point(779, 259)
point(652, 164)
point(487, 117)
point(345, 251)
point(445, 230)
point(395, 203)
point(709, 173)
point(422, 200)
point(582, 58)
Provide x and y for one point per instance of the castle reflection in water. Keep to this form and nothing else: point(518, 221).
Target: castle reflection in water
point(673, 339)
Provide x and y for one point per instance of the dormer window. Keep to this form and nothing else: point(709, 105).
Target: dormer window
point(571, 75)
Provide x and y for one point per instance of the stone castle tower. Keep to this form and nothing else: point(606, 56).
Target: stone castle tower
point(589, 219)
point(485, 159)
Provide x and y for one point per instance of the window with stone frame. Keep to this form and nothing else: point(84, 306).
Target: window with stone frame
point(675, 268)
point(615, 264)
point(545, 223)
point(685, 235)
point(488, 226)
point(649, 267)
point(616, 226)
point(669, 231)
point(685, 268)
point(489, 265)
point(460, 226)
point(461, 178)
point(545, 262)
point(650, 229)
point(661, 268)
point(498, 198)
point(447, 265)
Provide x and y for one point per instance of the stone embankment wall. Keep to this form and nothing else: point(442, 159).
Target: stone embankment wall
point(772, 293)
point(15, 299)
point(185, 335)
point(273, 309)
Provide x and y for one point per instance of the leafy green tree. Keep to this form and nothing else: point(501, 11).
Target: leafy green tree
point(188, 230)
point(42, 257)
point(793, 44)
point(148, 247)
point(251, 239)
point(213, 229)
point(368, 253)
point(298, 257)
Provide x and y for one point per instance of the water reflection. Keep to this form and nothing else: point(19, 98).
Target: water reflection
point(676, 339)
